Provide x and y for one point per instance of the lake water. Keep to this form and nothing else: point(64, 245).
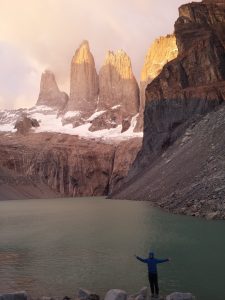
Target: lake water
point(53, 247)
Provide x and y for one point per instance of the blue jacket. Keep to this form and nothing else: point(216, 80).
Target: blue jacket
point(152, 263)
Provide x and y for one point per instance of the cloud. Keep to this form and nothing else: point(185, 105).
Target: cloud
point(43, 34)
point(19, 76)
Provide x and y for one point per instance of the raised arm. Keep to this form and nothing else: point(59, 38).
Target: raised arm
point(144, 260)
point(159, 261)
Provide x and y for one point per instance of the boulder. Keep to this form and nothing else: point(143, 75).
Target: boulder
point(125, 124)
point(24, 124)
point(14, 296)
point(83, 294)
point(116, 294)
point(180, 296)
point(141, 295)
point(87, 295)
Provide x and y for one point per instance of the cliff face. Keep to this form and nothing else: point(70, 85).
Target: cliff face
point(66, 164)
point(188, 87)
point(193, 83)
point(50, 95)
point(83, 81)
point(163, 50)
point(117, 84)
point(118, 92)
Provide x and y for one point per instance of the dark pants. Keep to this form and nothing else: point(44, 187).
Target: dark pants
point(153, 281)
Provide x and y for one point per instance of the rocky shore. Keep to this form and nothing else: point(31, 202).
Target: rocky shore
point(114, 294)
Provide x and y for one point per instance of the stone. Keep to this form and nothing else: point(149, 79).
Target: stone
point(49, 94)
point(110, 118)
point(93, 297)
point(141, 295)
point(83, 294)
point(180, 296)
point(49, 298)
point(83, 81)
point(66, 298)
point(116, 294)
point(125, 124)
point(14, 296)
point(212, 215)
point(24, 124)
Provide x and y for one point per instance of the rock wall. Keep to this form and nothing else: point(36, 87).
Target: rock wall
point(163, 50)
point(193, 83)
point(67, 164)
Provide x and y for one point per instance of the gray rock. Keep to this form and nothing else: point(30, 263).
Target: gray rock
point(93, 297)
point(180, 296)
point(87, 295)
point(14, 296)
point(83, 294)
point(125, 125)
point(24, 124)
point(141, 295)
point(116, 294)
point(46, 298)
point(212, 215)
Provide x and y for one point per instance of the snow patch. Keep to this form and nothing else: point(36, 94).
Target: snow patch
point(40, 108)
point(50, 122)
point(71, 114)
point(95, 115)
point(116, 106)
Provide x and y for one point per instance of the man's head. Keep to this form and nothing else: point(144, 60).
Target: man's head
point(151, 255)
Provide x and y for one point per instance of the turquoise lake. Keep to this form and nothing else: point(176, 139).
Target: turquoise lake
point(53, 247)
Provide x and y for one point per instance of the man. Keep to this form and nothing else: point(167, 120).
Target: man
point(152, 271)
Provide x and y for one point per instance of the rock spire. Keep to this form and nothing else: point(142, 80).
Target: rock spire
point(83, 81)
point(49, 94)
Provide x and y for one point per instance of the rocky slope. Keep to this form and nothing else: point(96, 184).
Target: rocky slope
point(163, 50)
point(188, 87)
point(70, 166)
point(188, 178)
point(49, 94)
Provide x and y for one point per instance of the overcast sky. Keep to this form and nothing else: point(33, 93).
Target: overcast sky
point(40, 34)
